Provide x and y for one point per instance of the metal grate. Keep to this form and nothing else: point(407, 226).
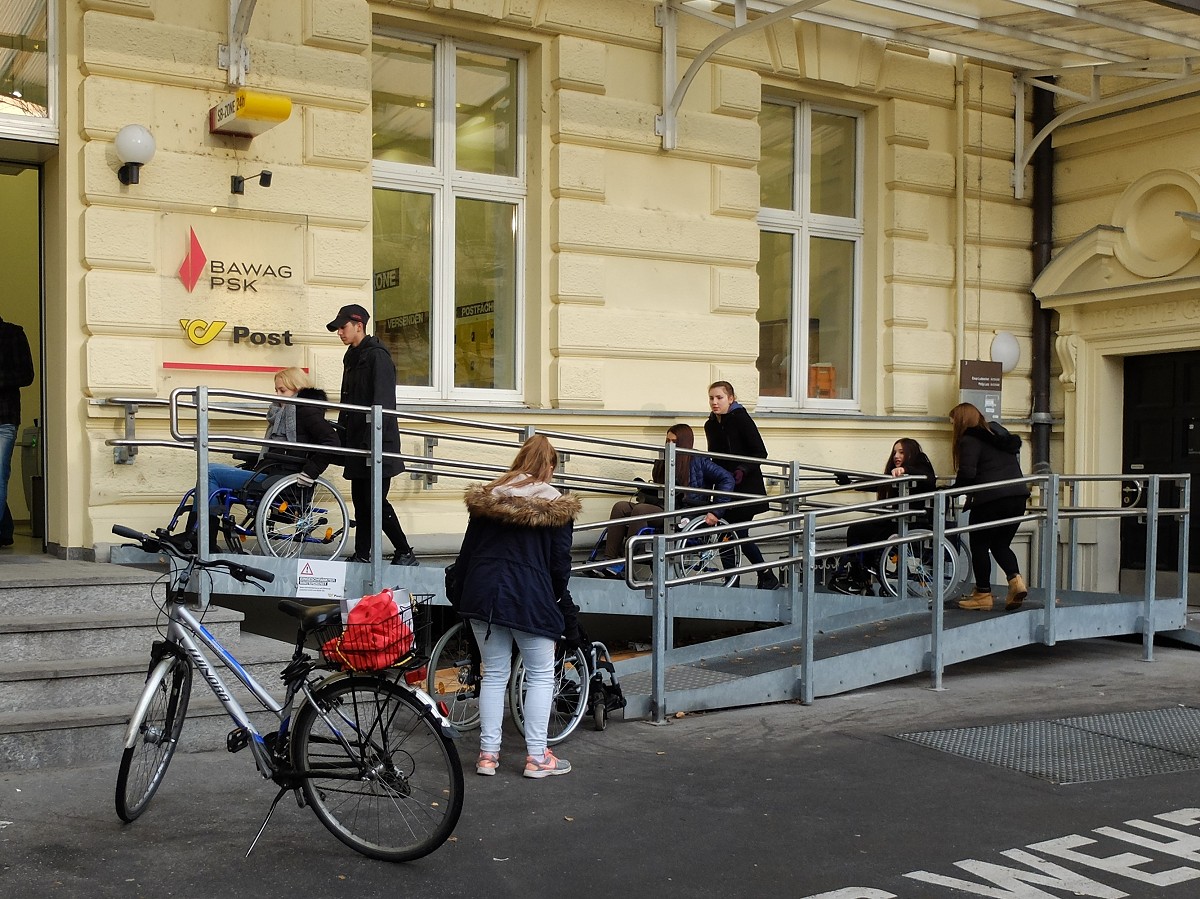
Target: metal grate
point(1082, 749)
point(679, 677)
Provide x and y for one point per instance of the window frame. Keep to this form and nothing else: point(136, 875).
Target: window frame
point(804, 226)
point(446, 184)
point(42, 130)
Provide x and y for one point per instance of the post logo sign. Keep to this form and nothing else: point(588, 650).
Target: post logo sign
point(227, 263)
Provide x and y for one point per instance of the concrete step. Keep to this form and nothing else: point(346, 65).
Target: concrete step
point(96, 635)
point(93, 735)
point(68, 599)
point(76, 683)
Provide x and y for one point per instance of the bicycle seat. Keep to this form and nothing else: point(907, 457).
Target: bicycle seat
point(312, 615)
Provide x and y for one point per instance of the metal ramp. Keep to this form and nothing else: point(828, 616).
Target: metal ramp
point(857, 646)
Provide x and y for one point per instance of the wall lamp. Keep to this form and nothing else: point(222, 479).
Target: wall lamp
point(135, 147)
point(237, 183)
point(1006, 350)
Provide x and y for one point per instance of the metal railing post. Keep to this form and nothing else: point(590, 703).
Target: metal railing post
point(937, 660)
point(1049, 567)
point(376, 525)
point(794, 545)
point(200, 497)
point(1184, 527)
point(1072, 572)
point(808, 655)
point(659, 640)
point(1151, 586)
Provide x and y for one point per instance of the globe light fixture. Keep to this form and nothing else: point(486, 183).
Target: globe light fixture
point(1005, 350)
point(135, 147)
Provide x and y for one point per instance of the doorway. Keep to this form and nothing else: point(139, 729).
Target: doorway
point(21, 304)
point(1161, 436)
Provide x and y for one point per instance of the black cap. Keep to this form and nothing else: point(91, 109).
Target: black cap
point(351, 313)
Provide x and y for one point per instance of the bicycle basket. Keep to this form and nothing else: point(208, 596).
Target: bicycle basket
point(380, 632)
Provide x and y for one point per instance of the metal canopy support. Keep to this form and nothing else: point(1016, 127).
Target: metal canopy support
point(1022, 37)
point(235, 56)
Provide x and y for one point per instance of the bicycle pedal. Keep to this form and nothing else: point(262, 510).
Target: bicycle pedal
point(238, 739)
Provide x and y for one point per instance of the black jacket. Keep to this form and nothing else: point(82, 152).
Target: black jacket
point(515, 559)
point(368, 379)
point(311, 427)
point(16, 371)
point(986, 455)
point(736, 433)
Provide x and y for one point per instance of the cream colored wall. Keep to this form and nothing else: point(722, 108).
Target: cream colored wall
point(642, 262)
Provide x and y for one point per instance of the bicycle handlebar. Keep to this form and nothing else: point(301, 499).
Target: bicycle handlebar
point(239, 572)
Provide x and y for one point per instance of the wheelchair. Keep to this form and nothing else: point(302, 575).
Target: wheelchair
point(702, 553)
point(286, 518)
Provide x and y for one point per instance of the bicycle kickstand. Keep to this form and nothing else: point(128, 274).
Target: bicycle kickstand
point(267, 819)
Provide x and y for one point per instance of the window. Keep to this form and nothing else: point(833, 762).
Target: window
point(810, 255)
point(449, 214)
point(27, 76)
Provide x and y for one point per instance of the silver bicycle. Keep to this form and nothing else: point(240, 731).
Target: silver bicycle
point(372, 756)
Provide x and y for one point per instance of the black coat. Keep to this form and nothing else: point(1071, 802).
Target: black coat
point(311, 427)
point(368, 379)
point(735, 433)
point(16, 371)
point(515, 560)
point(986, 455)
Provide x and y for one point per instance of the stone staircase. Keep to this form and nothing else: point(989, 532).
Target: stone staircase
point(74, 648)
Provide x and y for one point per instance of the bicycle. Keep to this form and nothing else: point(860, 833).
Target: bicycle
point(372, 756)
point(584, 681)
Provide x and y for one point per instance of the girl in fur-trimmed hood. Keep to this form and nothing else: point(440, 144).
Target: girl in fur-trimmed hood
point(510, 583)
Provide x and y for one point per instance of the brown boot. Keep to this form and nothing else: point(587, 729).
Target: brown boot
point(1016, 593)
point(979, 601)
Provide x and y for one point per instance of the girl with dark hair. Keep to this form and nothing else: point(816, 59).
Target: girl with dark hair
point(984, 452)
point(730, 429)
point(690, 471)
point(906, 459)
point(511, 585)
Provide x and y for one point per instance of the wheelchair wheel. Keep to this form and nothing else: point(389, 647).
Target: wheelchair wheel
point(707, 553)
point(920, 570)
point(293, 521)
point(454, 672)
point(570, 702)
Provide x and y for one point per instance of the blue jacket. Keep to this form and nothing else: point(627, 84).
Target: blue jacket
point(703, 472)
point(515, 559)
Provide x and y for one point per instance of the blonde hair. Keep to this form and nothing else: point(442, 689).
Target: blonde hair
point(535, 460)
point(963, 417)
point(293, 378)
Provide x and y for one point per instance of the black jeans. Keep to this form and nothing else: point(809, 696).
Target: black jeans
point(360, 495)
point(995, 540)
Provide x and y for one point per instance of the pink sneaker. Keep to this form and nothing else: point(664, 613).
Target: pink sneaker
point(547, 766)
point(487, 763)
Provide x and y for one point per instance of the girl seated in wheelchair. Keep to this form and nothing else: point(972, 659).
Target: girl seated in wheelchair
point(906, 459)
point(285, 422)
point(690, 471)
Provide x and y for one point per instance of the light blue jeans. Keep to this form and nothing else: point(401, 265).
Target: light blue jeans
point(227, 476)
point(496, 653)
point(8, 439)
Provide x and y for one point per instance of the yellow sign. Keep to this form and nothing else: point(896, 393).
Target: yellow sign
point(199, 331)
point(248, 113)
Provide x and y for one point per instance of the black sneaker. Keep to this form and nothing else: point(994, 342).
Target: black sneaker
point(767, 580)
point(408, 558)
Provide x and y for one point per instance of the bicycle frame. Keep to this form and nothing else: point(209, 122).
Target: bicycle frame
point(189, 634)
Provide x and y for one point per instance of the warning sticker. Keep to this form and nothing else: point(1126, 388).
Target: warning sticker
point(320, 580)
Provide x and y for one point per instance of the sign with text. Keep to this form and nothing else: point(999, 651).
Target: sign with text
point(979, 384)
point(320, 579)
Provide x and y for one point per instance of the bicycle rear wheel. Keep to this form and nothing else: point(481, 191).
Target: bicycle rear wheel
point(567, 708)
point(377, 770)
point(454, 672)
point(143, 764)
point(293, 520)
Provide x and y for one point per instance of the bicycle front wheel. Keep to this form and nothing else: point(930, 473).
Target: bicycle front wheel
point(145, 762)
point(454, 672)
point(293, 520)
point(569, 703)
point(377, 770)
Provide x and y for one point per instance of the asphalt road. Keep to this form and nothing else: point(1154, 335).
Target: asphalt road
point(783, 800)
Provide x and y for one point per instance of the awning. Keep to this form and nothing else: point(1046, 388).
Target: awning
point(1067, 47)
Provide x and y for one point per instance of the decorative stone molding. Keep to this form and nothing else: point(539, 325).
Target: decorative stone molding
point(1156, 242)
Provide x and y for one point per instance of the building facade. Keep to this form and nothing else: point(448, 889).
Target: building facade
point(830, 224)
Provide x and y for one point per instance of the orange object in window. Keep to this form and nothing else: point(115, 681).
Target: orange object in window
point(822, 379)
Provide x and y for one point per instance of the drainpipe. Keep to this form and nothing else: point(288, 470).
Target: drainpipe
point(1043, 224)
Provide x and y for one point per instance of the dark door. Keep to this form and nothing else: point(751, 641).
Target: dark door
point(1161, 436)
